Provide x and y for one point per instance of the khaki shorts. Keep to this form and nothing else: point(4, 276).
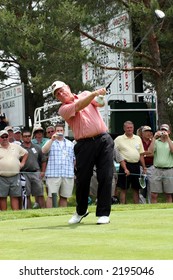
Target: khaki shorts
point(10, 186)
point(61, 186)
point(161, 180)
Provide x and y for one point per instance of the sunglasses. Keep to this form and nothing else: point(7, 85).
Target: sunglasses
point(4, 137)
point(26, 135)
point(50, 131)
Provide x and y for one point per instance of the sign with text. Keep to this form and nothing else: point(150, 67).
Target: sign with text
point(117, 34)
point(13, 105)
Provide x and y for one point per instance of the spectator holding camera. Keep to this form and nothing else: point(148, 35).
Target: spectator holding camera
point(162, 175)
point(60, 167)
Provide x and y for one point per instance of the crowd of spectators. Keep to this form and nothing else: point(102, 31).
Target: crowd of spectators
point(43, 163)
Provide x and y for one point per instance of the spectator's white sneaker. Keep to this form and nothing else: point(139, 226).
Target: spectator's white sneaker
point(75, 219)
point(103, 220)
point(142, 199)
point(36, 205)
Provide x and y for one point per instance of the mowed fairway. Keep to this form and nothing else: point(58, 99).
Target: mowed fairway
point(135, 232)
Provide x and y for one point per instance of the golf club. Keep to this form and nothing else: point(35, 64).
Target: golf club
point(159, 19)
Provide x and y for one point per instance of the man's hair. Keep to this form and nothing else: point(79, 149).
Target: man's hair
point(128, 122)
point(25, 130)
point(60, 125)
point(50, 126)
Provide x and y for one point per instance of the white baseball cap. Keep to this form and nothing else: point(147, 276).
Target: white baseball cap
point(56, 85)
point(7, 128)
point(165, 126)
point(146, 128)
point(2, 132)
point(16, 129)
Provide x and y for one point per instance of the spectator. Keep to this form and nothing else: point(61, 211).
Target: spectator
point(12, 159)
point(162, 174)
point(119, 159)
point(50, 130)
point(39, 139)
point(33, 170)
point(17, 135)
point(38, 136)
point(3, 121)
point(139, 131)
point(9, 129)
point(146, 136)
point(94, 183)
point(94, 147)
point(60, 167)
point(131, 148)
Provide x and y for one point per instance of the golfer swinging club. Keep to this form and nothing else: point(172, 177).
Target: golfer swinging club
point(94, 147)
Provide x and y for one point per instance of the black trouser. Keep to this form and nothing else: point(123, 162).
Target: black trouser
point(98, 152)
point(125, 182)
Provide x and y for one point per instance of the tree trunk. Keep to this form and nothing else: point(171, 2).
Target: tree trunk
point(32, 99)
point(162, 102)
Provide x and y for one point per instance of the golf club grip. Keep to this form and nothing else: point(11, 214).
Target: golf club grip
point(108, 86)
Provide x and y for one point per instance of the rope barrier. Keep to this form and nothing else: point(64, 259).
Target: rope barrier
point(117, 173)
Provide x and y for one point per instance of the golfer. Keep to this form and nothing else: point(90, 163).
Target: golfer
point(94, 146)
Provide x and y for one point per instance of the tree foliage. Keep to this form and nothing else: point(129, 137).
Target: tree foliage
point(156, 49)
point(41, 39)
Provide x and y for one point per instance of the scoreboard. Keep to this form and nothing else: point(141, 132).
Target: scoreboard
point(117, 33)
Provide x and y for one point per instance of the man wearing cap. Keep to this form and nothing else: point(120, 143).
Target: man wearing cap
point(39, 139)
point(34, 169)
point(146, 136)
point(162, 175)
point(17, 135)
point(12, 159)
point(38, 136)
point(10, 133)
point(94, 146)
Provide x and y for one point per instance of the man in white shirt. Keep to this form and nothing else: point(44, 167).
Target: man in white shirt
point(12, 159)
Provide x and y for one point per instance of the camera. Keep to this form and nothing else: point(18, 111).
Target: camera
point(59, 134)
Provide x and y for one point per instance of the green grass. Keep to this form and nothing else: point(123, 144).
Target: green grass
point(135, 232)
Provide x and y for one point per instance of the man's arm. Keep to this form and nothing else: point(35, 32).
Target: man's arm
point(47, 146)
point(43, 168)
point(166, 135)
point(155, 137)
point(118, 158)
point(123, 165)
point(23, 160)
point(86, 100)
point(170, 145)
point(142, 161)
